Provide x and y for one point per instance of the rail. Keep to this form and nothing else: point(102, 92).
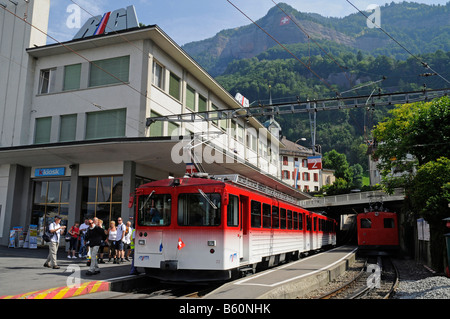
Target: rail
point(353, 198)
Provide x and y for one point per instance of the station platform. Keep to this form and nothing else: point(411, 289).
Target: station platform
point(23, 276)
point(292, 280)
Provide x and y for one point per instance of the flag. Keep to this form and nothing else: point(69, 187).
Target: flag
point(296, 172)
point(191, 169)
point(315, 162)
point(180, 244)
point(285, 20)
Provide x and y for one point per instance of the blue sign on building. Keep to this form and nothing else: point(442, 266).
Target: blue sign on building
point(53, 171)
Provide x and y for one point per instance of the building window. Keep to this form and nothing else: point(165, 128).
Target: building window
point(102, 198)
point(304, 163)
point(68, 128)
point(173, 129)
point(202, 104)
point(285, 160)
point(109, 71)
point(72, 76)
point(158, 75)
point(190, 98)
point(215, 108)
point(51, 198)
point(156, 129)
point(104, 124)
point(47, 81)
point(43, 130)
point(316, 177)
point(305, 176)
point(285, 174)
point(174, 86)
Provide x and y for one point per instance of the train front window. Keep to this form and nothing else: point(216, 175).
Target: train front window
point(199, 209)
point(389, 223)
point(366, 223)
point(154, 209)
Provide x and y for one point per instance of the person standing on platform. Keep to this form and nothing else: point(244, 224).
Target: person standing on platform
point(119, 240)
point(133, 270)
point(56, 230)
point(94, 237)
point(83, 228)
point(73, 240)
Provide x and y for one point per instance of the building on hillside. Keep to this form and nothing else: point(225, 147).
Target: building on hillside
point(74, 139)
point(307, 180)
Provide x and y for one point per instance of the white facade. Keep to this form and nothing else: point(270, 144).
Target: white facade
point(80, 108)
point(308, 180)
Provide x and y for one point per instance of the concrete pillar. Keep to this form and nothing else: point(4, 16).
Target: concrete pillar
point(128, 187)
point(17, 209)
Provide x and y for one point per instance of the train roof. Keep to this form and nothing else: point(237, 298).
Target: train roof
point(185, 181)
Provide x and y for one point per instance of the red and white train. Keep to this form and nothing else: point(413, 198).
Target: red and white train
point(204, 229)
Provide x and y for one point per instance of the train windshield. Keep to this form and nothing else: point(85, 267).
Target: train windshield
point(199, 209)
point(154, 210)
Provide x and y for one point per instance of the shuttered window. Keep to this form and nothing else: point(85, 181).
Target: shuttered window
point(106, 124)
point(174, 86)
point(109, 71)
point(72, 75)
point(43, 130)
point(68, 128)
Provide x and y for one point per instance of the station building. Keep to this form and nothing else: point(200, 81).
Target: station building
point(73, 134)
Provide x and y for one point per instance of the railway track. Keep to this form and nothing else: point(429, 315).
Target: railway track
point(173, 291)
point(377, 279)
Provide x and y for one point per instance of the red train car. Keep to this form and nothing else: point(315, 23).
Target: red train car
point(378, 231)
point(203, 229)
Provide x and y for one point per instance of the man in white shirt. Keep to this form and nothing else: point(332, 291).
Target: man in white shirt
point(56, 230)
point(119, 239)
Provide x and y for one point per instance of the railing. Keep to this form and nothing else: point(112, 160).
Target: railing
point(353, 198)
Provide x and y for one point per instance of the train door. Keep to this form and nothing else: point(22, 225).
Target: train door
point(244, 211)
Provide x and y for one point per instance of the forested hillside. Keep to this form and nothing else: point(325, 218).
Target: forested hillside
point(247, 61)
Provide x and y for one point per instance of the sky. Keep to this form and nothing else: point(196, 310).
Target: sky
point(191, 20)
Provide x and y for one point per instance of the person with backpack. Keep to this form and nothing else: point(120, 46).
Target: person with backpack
point(55, 230)
point(94, 237)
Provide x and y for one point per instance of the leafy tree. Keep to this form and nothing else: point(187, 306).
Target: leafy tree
point(419, 129)
point(430, 196)
point(338, 162)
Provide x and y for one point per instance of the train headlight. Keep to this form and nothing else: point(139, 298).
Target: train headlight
point(212, 243)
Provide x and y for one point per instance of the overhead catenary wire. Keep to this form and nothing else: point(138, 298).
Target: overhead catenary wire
point(423, 63)
point(285, 48)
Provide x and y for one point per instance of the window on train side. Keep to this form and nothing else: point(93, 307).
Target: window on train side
point(199, 209)
point(283, 218)
point(154, 210)
point(256, 214)
point(366, 223)
point(275, 217)
point(300, 221)
point(267, 223)
point(233, 211)
point(289, 219)
point(308, 223)
point(295, 219)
